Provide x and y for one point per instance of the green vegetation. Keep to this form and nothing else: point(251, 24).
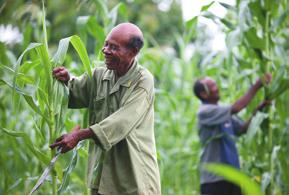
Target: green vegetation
point(33, 104)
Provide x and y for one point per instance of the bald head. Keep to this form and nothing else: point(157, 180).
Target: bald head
point(130, 33)
point(128, 28)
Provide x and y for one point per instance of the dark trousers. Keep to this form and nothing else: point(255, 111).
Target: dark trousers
point(94, 192)
point(220, 188)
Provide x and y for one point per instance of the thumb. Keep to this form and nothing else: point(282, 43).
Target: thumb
point(76, 128)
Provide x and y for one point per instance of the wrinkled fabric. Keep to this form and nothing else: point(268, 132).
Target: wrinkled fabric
point(122, 160)
point(217, 131)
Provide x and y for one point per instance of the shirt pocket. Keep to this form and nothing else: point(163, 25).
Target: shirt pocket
point(98, 102)
point(98, 110)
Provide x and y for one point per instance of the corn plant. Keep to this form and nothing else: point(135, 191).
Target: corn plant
point(31, 79)
point(255, 33)
point(48, 97)
point(33, 104)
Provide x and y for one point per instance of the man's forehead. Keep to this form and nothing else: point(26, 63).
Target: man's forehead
point(207, 80)
point(117, 37)
point(123, 32)
point(127, 28)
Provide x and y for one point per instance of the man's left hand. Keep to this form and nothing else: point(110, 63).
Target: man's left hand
point(67, 141)
point(263, 104)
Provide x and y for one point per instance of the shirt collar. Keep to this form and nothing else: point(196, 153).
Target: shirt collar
point(126, 79)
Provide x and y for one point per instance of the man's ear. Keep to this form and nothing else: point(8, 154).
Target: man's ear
point(133, 51)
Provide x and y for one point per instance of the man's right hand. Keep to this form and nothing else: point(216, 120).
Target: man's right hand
point(61, 74)
point(265, 80)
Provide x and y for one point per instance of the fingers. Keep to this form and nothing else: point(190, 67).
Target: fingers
point(61, 74)
point(55, 144)
point(268, 77)
point(57, 69)
point(60, 138)
point(65, 149)
point(264, 104)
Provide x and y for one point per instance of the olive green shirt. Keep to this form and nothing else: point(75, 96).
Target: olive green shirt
point(122, 160)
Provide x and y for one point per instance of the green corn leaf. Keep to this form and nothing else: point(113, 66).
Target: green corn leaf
point(28, 65)
point(206, 7)
point(44, 57)
point(3, 57)
point(97, 31)
point(266, 177)
point(44, 27)
point(254, 40)
point(81, 51)
point(18, 90)
point(235, 176)
point(40, 135)
point(279, 84)
point(234, 39)
point(69, 168)
point(60, 54)
point(227, 6)
point(28, 98)
point(102, 5)
point(210, 15)
point(59, 105)
point(280, 20)
point(190, 29)
point(258, 12)
point(114, 12)
point(78, 45)
point(40, 156)
point(15, 185)
point(255, 126)
point(20, 76)
point(43, 96)
point(30, 47)
point(33, 105)
point(85, 119)
point(227, 23)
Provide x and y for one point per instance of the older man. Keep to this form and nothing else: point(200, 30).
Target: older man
point(120, 97)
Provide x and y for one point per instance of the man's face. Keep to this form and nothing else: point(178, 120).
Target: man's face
point(117, 56)
point(212, 95)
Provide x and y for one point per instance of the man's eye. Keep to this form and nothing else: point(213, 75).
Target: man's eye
point(113, 47)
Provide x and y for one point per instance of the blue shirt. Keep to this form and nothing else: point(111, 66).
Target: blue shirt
point(217, 131)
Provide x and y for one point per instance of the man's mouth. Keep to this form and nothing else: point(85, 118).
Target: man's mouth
point(108, 59)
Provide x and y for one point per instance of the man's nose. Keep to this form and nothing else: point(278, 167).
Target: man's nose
point(106, 50)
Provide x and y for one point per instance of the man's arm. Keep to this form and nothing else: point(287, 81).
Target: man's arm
point(78, 87)
point(68, 141)
point(112, 129)
point(246, 99)
point(118, 125)
point(260, 107)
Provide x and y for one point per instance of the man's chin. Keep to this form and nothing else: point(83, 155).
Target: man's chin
point(109, 66)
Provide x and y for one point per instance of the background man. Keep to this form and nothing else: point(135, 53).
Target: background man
point(120, 100)
point(217, 128)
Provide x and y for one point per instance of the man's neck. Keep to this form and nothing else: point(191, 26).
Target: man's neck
point(120, 73)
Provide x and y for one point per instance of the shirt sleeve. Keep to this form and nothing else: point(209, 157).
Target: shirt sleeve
point(211, 114)
point(237, 124)
point(117, 126)
point(79, 92)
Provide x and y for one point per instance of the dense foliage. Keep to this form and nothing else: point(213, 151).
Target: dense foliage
point(33, 105)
